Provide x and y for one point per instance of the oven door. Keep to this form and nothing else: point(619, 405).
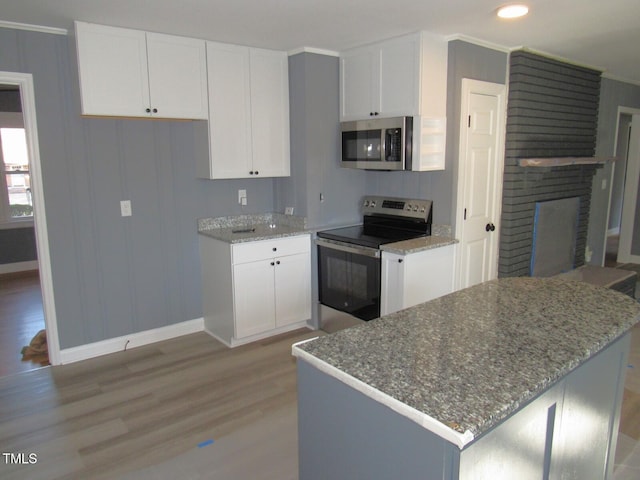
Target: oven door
point(349, 278)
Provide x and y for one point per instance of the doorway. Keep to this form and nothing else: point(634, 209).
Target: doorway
point(39, 287)
point(617, 190)
point(629, 244)
point(480, 169)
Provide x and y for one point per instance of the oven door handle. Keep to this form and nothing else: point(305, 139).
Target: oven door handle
point(368, 252)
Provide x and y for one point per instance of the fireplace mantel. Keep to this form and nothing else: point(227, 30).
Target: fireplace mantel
point(563, 161)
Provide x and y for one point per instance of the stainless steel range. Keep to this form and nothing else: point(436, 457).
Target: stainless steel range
point(349, 266)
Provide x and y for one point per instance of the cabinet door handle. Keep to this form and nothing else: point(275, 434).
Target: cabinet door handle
point(148, 110)
point(277, 262)
point(155, 110)
point(400, 260)
point(272, 264)
point(251, 172)
point(257, 172)
point(274, 249)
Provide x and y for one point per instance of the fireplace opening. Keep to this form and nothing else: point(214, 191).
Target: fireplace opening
point(555, 231)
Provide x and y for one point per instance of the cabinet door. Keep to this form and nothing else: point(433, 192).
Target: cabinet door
point(400, 77)
point(392, 283)
point(112, 65)
point(270, 113)
point(254, 299)
point(177, 76)
point(229, 112)
point(359, 84)
point(293, 289)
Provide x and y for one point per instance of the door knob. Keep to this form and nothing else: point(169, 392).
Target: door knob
point(490, 227)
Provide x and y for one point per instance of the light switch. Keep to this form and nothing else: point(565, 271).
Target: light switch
point(125, 208)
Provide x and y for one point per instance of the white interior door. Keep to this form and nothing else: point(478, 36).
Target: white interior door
point(629, 247)
point(480, 170)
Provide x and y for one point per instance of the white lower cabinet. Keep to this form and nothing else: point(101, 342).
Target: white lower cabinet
point(255, 289)
point(408, 280)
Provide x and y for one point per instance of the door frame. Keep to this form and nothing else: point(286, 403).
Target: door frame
point(470, 86)
point(27, 96)
point(627, 215)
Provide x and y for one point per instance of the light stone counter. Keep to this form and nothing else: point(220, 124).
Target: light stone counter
point(416, 245)
point(250, 228)
point(462, 363)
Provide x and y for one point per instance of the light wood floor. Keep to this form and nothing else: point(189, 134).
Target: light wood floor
point(152, 413)
point(21, 318)
point(131, 410)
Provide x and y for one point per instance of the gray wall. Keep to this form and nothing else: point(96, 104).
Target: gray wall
point(471, 61)
point(613, 94)
point(315, 147)
point(114, 276)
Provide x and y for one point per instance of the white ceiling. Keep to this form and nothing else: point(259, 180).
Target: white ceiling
point(604, 34)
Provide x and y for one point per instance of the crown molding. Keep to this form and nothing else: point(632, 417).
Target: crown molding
point(319, 51)
point(479, 42)
point(33, 28)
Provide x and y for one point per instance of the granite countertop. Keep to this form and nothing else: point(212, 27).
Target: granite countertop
point(250, 228)
point(416, 245)
point(460, 364)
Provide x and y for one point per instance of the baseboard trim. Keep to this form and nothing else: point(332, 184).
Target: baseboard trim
point(260, 336)
point(112, 345)
point(18, 267)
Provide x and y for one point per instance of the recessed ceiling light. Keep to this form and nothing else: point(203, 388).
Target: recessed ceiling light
point(513, 11)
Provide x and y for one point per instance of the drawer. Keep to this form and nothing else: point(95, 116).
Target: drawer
point(265, 249)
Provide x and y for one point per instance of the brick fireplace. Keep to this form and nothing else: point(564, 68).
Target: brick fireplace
point(550, 142)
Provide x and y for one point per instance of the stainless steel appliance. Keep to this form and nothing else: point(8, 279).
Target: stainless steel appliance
point(378, 144)
point(349, 265)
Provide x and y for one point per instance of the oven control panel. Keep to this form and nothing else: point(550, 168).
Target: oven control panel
point(401, 207)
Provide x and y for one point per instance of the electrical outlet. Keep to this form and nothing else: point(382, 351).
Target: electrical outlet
point(242, 197)
point(125, 208)
point(288, 211)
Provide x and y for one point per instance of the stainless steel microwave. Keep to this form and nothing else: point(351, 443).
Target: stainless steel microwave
point(378, 143)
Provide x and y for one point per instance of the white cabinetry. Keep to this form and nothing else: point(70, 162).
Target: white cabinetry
point(248, 113)
point(404, 76)
point(255, 289)
point(408, 280)
point(131, 73)
point(380, 80)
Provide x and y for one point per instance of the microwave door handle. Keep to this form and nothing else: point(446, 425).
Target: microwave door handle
point(383, 144)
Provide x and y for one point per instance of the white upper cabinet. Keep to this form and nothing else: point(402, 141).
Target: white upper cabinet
point(380, 80)
point(404, 76)
point(130, 73)
point(248, 113)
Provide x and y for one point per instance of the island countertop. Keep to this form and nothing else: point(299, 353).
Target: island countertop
point(460, 364)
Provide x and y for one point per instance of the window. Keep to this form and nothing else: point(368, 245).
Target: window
point(15, 190)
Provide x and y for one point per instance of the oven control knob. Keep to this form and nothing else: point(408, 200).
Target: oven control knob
point(415, 209)
point(409, 207)
point(422, 210)
point(372, 203)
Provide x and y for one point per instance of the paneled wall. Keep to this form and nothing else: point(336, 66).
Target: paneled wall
point(552, 112)
point(113, 275)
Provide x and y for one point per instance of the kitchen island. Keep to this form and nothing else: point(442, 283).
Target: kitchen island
point(514, 378)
